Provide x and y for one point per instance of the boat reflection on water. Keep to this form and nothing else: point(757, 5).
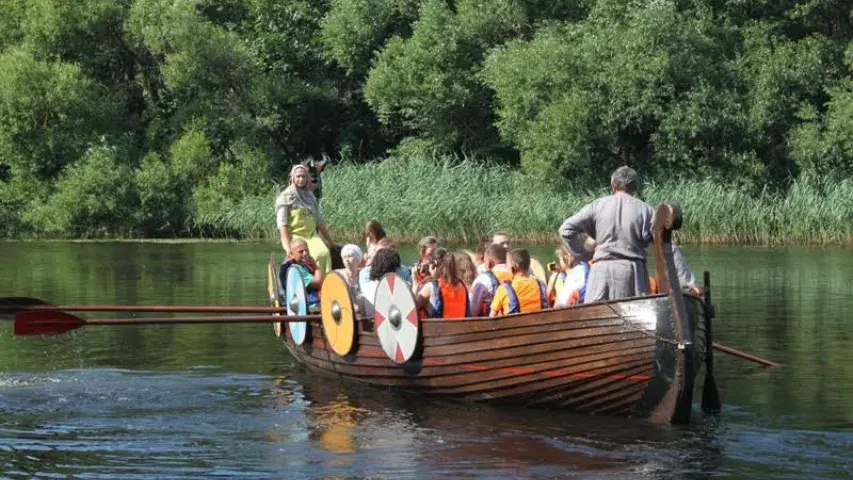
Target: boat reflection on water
point(336, 422)
point(366, 429)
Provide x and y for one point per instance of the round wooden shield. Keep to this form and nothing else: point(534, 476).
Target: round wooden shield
point(275, 290)
point(296, 304)
point(338, 313)
point(537, 271)
point(396, 318)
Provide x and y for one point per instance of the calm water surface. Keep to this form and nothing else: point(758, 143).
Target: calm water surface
point(227, 401)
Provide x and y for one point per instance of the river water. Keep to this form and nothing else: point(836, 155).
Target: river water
point(226, 401)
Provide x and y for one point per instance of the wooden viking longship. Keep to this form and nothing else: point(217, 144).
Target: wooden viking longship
point(636, 357)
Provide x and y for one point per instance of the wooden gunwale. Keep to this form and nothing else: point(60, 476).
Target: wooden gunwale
point(446, 340)
point(591, 311)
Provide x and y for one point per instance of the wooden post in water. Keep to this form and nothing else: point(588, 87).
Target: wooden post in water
point(710, 395)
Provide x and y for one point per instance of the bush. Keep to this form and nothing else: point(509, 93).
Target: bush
point(94, 198)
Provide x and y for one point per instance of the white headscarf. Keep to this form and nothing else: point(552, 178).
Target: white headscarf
point(354, 249)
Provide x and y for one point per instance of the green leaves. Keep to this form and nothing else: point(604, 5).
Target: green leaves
point(49, 113)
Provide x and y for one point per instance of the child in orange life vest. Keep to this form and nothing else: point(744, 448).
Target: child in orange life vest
point(523, 294)
point(487, 282)
point(443, 293)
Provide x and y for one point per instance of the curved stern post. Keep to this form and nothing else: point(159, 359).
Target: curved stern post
point(677, 402)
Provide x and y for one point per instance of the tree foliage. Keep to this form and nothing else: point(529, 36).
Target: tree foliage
point(194, 105)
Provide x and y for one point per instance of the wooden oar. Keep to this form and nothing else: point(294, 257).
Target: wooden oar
point(710, 394)
point(12, 305)
point(744, 355)
point(38, 322)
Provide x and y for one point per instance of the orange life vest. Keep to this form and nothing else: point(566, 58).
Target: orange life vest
point(449, 301)
point(653, 286)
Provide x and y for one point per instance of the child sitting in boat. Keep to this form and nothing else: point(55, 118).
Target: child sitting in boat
point(572, 289)
point(352, 259)
point(443, 294)
point(420, 271)
point(376, 239)
point(386, 260)
point(495, 273)
point(312, 277)
point(524, 293)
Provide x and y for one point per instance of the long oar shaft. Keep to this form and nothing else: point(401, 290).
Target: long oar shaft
point(54, 322)
point(197, 320)
point(148, 308)
point(744, 355)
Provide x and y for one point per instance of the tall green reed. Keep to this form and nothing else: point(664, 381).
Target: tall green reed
point(462, 201)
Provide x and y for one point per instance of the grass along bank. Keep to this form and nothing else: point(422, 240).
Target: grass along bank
point(460, 202)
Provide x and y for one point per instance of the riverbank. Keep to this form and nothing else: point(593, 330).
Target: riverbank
point(461, 202)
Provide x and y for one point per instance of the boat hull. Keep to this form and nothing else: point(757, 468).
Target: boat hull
point(622, 358)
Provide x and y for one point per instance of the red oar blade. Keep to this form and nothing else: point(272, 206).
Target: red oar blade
point(45, 322)
point(13, 305)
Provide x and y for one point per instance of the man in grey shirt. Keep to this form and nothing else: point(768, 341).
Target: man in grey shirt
point(622, 226)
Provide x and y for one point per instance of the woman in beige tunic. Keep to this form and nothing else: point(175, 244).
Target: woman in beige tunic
point(297, 214)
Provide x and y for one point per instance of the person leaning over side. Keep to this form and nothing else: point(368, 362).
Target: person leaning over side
point(297, 215)
point(524, 293)
point(623, 227)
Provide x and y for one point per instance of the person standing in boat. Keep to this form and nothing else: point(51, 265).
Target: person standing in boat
point(297, 214)
point(622, 226)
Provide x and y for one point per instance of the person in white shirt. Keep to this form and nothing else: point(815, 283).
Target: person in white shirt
point(483, 289)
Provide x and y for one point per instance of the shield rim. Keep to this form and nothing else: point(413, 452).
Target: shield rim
point(383, 282)
point(296, 327)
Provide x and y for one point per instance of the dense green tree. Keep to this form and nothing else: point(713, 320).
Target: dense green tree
point(195, 105)
point(50, 111)
point(94, 198)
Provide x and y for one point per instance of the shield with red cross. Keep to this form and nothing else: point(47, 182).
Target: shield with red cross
point(395, 318)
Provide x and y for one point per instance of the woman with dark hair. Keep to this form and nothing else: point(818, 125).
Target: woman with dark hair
point(443, 294)
point(375, 239)
point(386, 260)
